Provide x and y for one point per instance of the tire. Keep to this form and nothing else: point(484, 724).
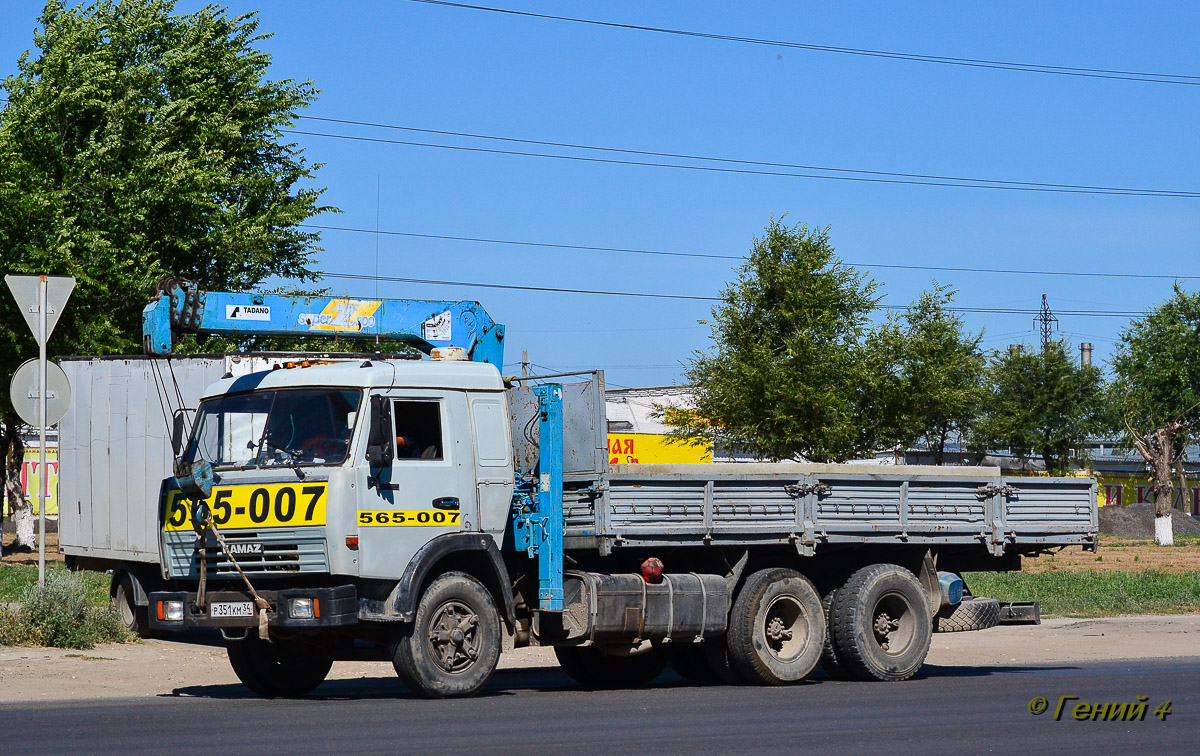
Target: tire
point(776, 628)
point(135, 618)
point(970, 614)
point(829, 658)
point(595, 667)
point(690, 661)
point(452, 646)
point(279, 669)
point(881, 623)
point(720, 664)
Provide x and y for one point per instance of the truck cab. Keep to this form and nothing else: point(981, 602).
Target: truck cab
point(295, 492)
point(337, 490)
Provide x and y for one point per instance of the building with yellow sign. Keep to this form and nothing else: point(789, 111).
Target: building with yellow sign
point(31, 478)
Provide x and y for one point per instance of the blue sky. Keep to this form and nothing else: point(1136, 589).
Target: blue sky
point(450, 69)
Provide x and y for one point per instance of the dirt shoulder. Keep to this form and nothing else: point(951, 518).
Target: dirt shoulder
point(1121, 554)
point(30, 556)
point(199, 667)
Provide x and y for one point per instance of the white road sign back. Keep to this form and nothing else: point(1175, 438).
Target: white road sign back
point(25, 394)
point(25, 290)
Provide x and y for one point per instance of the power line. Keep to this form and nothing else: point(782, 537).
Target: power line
point(761, 163)
point(694, 298)
point(513, 242)
point(1012, 187)
point(635, 251)
point(788, 169)
point(1092, 73)
point(516, 287)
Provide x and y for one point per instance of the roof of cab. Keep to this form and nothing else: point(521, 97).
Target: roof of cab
point(475, 376)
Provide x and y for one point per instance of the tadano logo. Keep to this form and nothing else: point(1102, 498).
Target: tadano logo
point(247, 312)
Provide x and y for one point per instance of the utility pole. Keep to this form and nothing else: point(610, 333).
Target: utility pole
point(1048, 322)
point(524, 364)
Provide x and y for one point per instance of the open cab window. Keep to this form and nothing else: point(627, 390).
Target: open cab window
point(418, 429)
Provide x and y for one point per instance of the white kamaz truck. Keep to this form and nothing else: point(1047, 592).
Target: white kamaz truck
point(432, 514)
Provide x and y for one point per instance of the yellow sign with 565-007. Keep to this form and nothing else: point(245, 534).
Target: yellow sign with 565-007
point(411, 517)
point(276, 505)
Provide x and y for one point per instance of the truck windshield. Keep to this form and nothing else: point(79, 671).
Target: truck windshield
point(269, 428)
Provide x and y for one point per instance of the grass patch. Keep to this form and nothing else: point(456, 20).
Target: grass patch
point(1093, 594)
point(15, 578)
point(66, 613)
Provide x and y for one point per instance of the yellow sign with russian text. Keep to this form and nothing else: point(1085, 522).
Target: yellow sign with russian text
point(31, 478)
point(654, 449)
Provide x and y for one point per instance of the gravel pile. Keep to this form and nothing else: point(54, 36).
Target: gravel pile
point(1137, 521)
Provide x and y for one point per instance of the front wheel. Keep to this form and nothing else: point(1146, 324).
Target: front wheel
point(881, 623)
point(776, 628)
point(279, 669)
point(452, 646)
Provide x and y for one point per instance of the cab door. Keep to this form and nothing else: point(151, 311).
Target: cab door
point(427, 491)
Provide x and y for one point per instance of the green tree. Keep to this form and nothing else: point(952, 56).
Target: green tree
point(1157, 388)
point(789, 376)
point(939, 370)
point(138, 143)
point(1040, 404)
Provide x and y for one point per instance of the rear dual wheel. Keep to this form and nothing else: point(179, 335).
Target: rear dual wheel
point(881, 623)
point(829, 655)
point(600, 667)
point(776, 628)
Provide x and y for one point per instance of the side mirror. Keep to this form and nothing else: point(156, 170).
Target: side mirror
point(380, 443)
point(178, 426)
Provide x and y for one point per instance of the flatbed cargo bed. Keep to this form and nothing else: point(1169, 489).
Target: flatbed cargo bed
point(813, 505)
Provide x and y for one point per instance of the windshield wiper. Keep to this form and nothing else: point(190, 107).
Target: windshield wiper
point(290, 458)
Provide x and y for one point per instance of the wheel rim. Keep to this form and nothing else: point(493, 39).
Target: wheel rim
point(454, 636)
point(894, 624)
point(784, 628)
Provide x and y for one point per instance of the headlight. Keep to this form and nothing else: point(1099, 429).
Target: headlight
point(172, 611)
point(301, 608)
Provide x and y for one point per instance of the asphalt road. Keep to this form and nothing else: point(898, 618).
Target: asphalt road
point(945, 710)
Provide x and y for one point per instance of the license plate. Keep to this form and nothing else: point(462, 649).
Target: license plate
point(231, 609)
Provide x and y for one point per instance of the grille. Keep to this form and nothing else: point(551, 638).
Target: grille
point(286, 551)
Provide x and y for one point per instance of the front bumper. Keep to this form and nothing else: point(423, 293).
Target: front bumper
point(335, 607)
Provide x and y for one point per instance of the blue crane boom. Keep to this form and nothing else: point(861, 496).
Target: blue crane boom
point(185, 307)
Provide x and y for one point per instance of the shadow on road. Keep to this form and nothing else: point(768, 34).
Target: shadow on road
point(552, 679)
point(547, 679)
point(504, 682)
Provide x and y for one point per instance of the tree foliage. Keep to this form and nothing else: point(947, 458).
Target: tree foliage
point(138, 143)
point(1040, 404)
point(938, 369)
point(789, 376)
point(1157, 389)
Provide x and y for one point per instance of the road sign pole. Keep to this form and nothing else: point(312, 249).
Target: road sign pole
point(41, 300)
point(42, 390)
